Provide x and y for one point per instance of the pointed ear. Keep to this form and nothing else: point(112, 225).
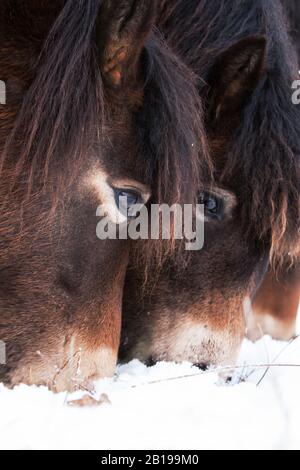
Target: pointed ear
point(234, 78)
point(123, 28)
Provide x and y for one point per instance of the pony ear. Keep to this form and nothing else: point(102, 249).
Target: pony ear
point(123, 28)
point(234, 78)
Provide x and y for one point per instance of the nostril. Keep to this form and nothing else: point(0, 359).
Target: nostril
point(150, 362)
point(202, 366)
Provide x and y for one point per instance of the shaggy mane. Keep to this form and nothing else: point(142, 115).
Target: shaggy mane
point(66, 103)
point(266, 148)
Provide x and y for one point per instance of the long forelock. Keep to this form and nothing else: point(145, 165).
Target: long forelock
point(66, 104)
point(172, 115)
point(62, 108)
point(266, 147)
point(174, 141)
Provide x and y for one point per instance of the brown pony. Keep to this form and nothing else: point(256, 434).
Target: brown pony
point(246, 65)
point(96, 106)
point(276, 303)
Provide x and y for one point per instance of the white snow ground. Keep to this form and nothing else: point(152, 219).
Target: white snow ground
point(150, 411)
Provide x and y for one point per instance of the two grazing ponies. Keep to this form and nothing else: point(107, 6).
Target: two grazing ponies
point(246, 64)
point(96, 106)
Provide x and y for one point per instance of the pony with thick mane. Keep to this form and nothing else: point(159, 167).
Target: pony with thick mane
point(266, 147)
point(97, 104)
point(246, 65)
point(278, 297)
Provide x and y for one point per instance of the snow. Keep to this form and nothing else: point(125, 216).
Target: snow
point(163, 408)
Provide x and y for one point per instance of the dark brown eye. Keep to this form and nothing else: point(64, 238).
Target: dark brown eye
point(213, 205)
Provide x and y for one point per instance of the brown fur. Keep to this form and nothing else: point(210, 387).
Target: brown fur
point(246, 65)
point(275, 305)
point(76, 106)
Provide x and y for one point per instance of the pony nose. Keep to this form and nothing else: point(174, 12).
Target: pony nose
point(150, 362)
point(202, 366)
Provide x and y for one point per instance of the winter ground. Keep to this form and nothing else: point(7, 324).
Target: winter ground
point(168, 406)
